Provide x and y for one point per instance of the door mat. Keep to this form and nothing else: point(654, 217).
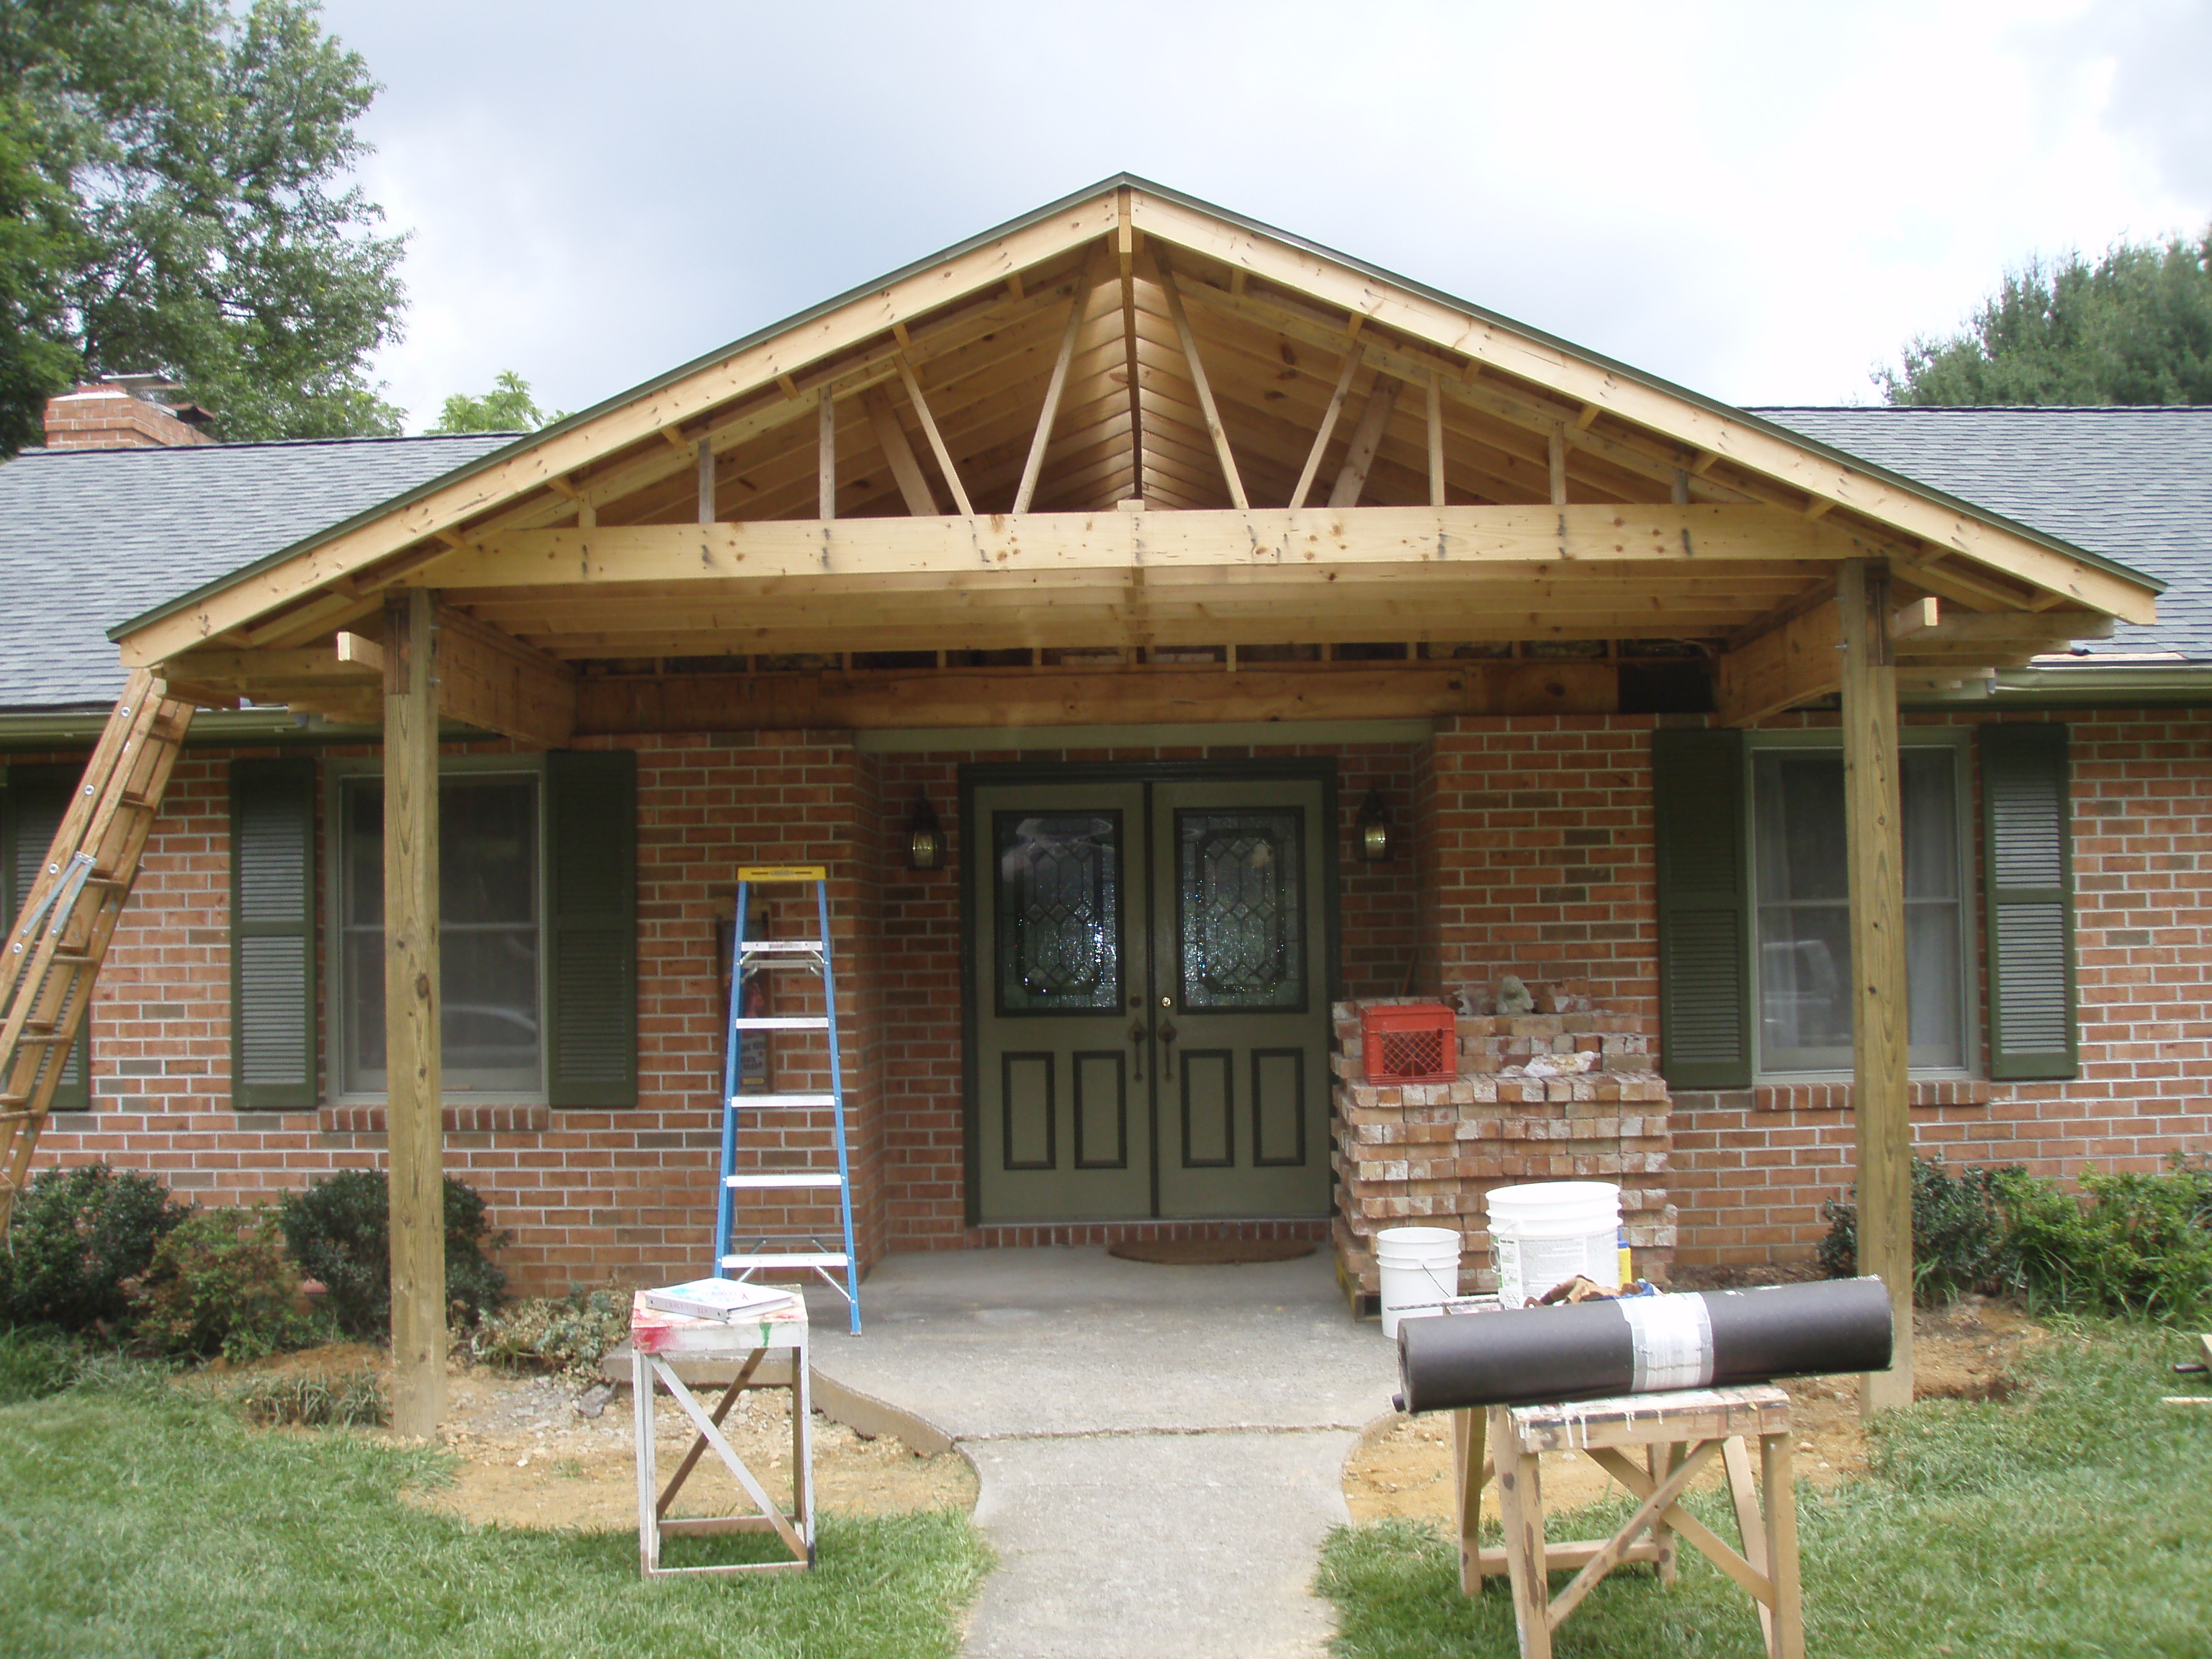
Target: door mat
point(1211, 1252)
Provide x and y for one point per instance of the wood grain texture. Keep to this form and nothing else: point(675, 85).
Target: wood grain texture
point(412, 1002)
point(1875, 850)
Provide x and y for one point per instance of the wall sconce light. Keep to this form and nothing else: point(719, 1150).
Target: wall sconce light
point(925, 841)
point(1374, 826)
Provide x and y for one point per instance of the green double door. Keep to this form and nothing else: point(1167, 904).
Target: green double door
point(1152, 998)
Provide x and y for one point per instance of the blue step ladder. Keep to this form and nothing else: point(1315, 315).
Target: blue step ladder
point(768, 1253)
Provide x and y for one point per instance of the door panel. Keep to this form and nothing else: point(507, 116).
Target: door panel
point(1236, 915)
point(1150, 999)
point(1063, 1131)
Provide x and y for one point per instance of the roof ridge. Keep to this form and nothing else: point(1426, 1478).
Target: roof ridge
point(363, 439)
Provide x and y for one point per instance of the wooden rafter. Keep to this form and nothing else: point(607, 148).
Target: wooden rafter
point(898, 453)
point(1211, 414)
point(1366, 439)
point(1055, 388)
point(907, 377)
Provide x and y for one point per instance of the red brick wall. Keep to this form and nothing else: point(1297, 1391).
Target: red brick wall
point(1752, 1168)
point(1535, 852)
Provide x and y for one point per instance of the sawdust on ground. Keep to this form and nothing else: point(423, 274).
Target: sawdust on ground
point(529, 1457)
point(1401, 1467)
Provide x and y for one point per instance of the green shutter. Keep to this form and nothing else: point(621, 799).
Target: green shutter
point(592, 927)
point(1704, 908)
point(273, 935)
point(2028, 903)
point(37, 798)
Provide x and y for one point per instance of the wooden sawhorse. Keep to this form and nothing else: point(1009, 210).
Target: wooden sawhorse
point(656, 1338)
point(1680, 1433)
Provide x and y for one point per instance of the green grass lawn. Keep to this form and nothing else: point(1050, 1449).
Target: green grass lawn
point(137, 1520)
point(2074, 1520)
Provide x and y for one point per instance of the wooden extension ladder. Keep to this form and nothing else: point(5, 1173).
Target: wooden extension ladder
point(54, 951)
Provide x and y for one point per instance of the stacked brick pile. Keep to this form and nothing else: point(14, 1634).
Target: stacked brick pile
point(1422, 1155)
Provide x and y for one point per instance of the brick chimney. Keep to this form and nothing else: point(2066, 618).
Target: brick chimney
point(121, 411)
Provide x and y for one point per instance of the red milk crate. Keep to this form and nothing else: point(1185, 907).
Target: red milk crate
point(1409, 1042)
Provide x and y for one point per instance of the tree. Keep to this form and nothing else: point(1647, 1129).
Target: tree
point(2135, 327)
point(507, 407)
point(175, 198)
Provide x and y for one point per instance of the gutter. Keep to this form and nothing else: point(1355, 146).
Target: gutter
point(2085, 685)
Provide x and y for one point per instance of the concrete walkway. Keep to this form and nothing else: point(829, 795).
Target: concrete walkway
point(1160, 1447)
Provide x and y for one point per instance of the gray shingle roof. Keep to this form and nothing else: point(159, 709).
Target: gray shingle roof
point(90, 538)
point(2133, 484)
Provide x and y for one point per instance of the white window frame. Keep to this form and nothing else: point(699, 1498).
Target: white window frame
point(336, 773)
point(1960, 741)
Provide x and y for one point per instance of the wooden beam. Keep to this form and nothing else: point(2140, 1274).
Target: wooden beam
point(706, 481)
point(1873, 839)
point(1682, 537)
point(411, 1013)
point(1366, 439)
point(361, 652)
point(1556, 458)
point(1435, 441)
point(961, 504)
point(1916, 617)
point(1781, 667)
point(1328, 426)
point(825, 459)
point(1134, 371)
point(1055, 388)
point(1189, 343)
point(621, 706)
point(491, 680)
point(891, 438)
point(2040, 627)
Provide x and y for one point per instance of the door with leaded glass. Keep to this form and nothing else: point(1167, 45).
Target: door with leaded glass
point(1150, 999)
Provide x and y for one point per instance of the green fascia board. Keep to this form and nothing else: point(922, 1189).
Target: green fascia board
point(1119, 180)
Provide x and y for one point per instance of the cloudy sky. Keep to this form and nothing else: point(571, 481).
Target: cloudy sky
point(1760, 201)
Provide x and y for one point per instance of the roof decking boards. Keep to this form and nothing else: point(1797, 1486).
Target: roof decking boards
point(1184, 361)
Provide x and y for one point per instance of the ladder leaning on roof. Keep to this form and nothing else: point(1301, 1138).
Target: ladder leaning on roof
point(53, 954)
point(800, 1111)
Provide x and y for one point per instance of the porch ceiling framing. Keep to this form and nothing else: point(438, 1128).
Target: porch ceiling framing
point(1129, 343)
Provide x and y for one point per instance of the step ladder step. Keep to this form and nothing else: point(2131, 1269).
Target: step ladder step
point(782, 1103)
point(786, 1259)
point(783, 1022)
point(768, 1181)
point(780, 947)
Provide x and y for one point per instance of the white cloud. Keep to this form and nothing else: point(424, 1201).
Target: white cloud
point(1759, 201)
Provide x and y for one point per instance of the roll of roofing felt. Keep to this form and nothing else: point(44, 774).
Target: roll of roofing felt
point(1643, 1344)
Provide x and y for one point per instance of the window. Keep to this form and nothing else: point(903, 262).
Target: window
point(491, 956)
point(1803, 916)
point(33, 799)
point(1754, 964)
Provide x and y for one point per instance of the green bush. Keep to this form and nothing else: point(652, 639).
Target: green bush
point(2127, 1243)
point(221, 1283)
point(568, 1334)
point(1959, 1232)
point(75, 1237)
point(339, 1232)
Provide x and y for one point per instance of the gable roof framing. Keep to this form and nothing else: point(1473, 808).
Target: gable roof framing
point(1133, 366)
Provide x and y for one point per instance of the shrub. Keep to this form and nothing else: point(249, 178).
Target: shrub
point(75, 1237)
point(339, 1232)
point(568, 1334)
point(312, 1399)
point(2139, 1243)
point(1959, 1232)
point(221, 1283)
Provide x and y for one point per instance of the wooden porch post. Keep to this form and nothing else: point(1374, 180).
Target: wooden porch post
point(412, 1002)
point(1873, 828)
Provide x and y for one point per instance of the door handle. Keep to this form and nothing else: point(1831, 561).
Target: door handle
point(1167, 1055)
point(1137, 1049)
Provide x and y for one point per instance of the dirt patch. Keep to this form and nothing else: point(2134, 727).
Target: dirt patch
point(1403, 1466)
point(529, 1458)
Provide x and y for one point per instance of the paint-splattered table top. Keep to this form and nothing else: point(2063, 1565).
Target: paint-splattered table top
point(653, 1331)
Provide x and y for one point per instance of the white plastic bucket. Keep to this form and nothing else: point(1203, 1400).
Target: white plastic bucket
point(1420, 1271)
point(1543, 1234)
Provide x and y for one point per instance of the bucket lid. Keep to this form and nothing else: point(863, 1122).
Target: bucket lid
point(1551, 1194)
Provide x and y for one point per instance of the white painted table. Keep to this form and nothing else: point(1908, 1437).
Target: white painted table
point(657, 1339)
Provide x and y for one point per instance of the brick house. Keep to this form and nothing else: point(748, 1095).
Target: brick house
point(1026, 544)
